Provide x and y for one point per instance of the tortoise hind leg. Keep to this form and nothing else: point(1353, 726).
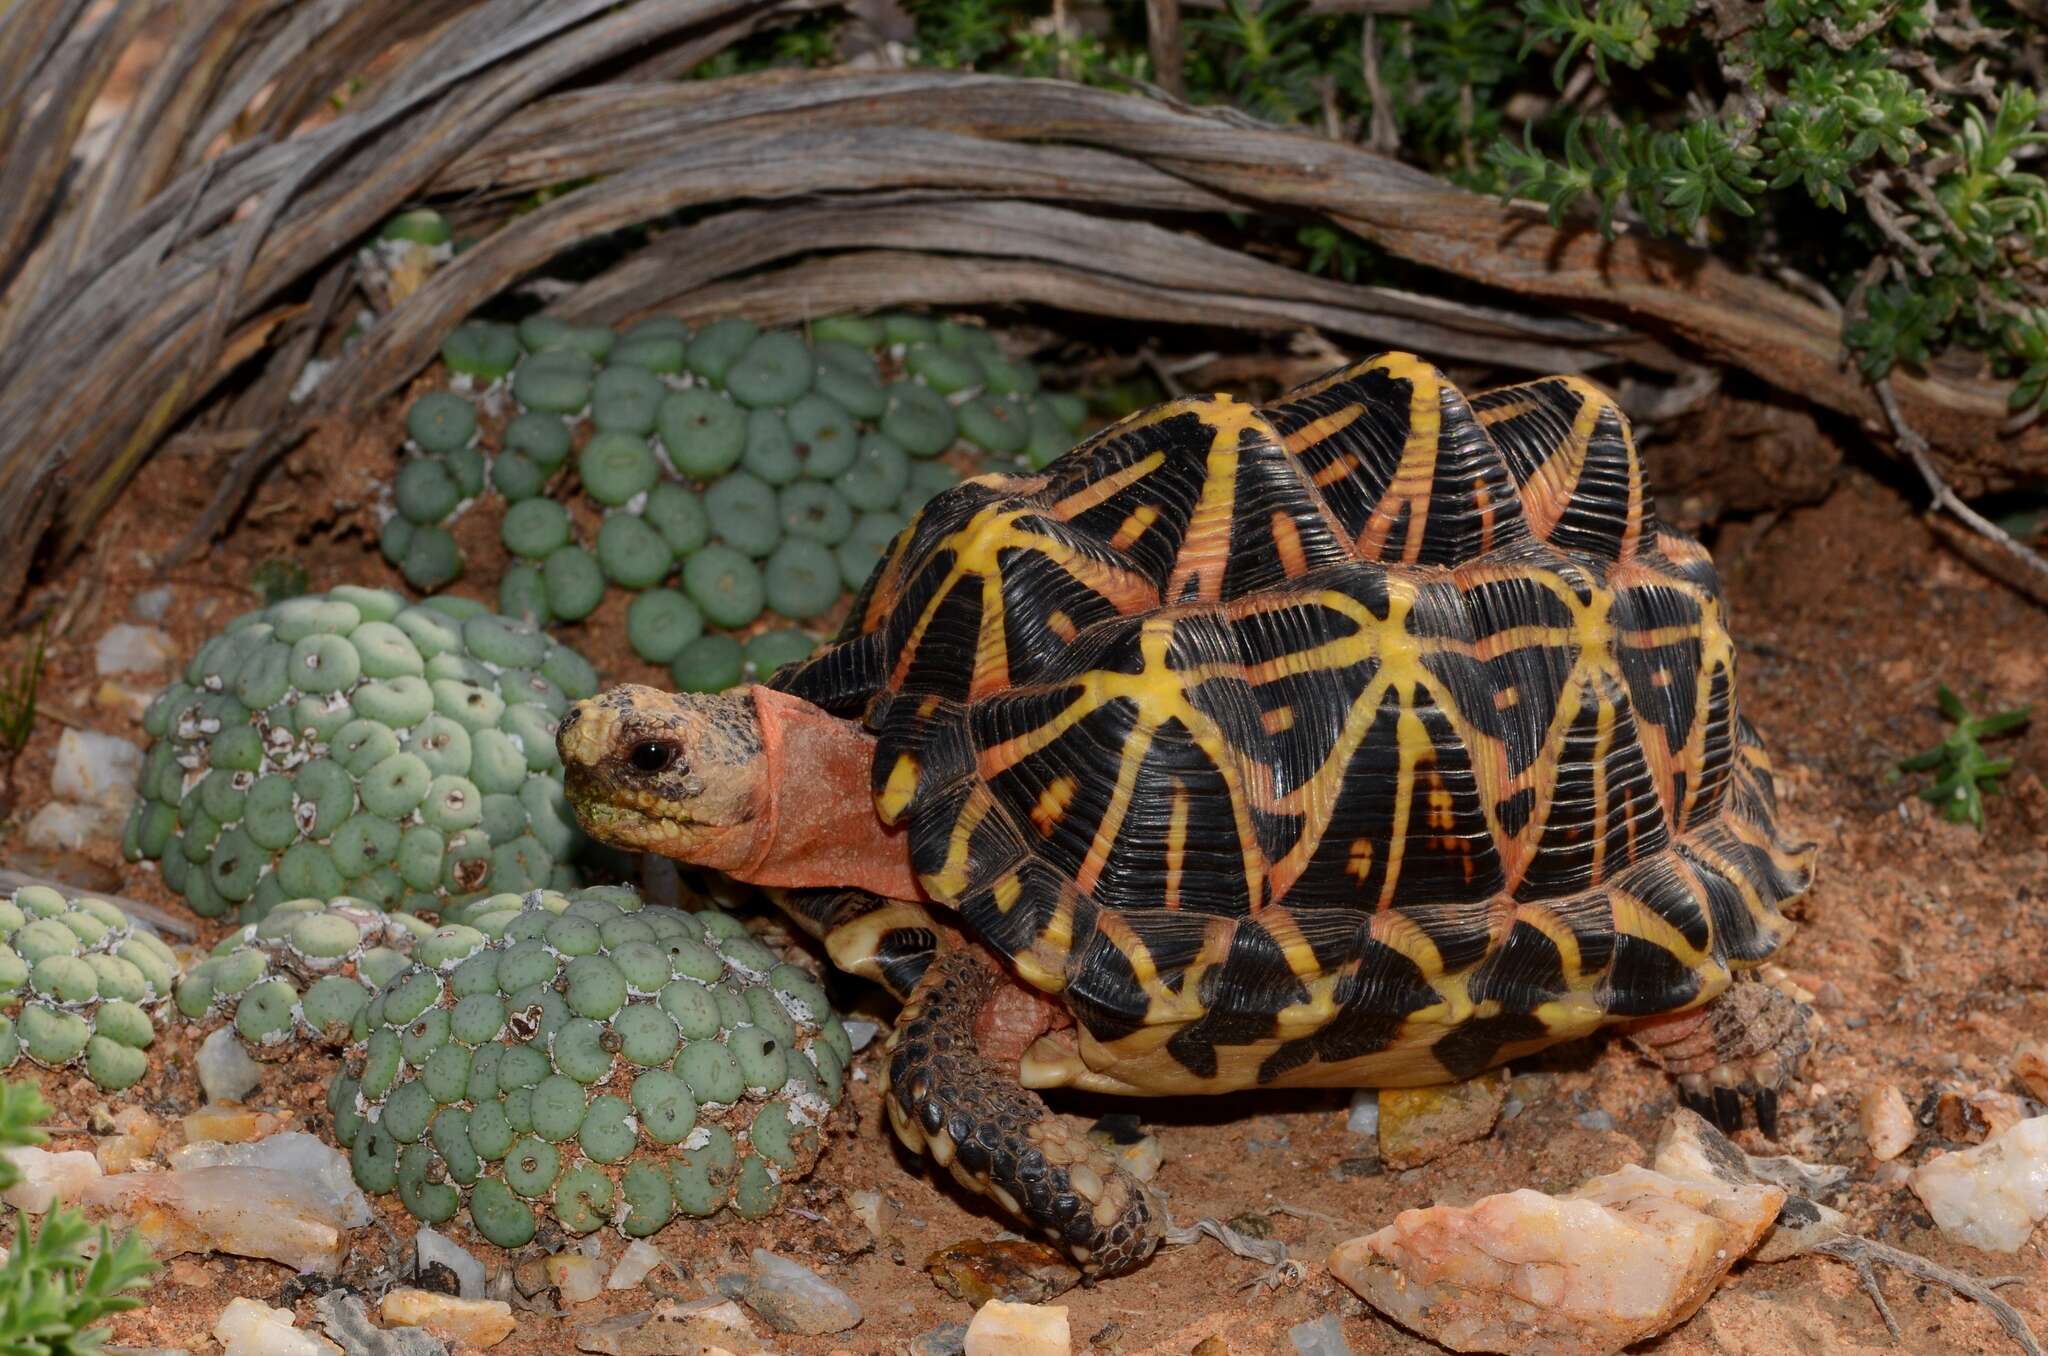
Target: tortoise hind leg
point(949, 1099)
point(1740, 1047)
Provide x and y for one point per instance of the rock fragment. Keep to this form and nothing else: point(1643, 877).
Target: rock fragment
point(128, 648)
point(636, 1264)
point(1624, 1257)
point(1010, 1269)
point(1000, 1328)
point(49, 1179)
point(226, 1072)
point(437, 1249)
point(480, 1323)
point(250, 1327)
point(674, 1329)
point(1991, 1196)
point(248, 1211)
point(135, 1137)
point(347, 1320)
point(1691, 1150)
point(318, 1165)
point(1973, 1117)
point(1419, 1124)
point(946, 1340)
point(793, 1298)
point(578, 1276)
point(2030, 1068)
point(1887, 1122)
point(1319, 1337)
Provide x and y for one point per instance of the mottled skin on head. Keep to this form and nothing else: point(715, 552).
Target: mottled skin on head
point(759, 785)
point(773, 791)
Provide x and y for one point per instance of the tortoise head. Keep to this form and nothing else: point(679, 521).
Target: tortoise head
point(681, 774)
point(755, 783)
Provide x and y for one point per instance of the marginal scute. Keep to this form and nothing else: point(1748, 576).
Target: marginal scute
point(1376, 734)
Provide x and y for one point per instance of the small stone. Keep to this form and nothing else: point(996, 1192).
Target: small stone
point(792, 1298)
point(579, 1278)
point(1419, 1124)
point(226, 1072)
point(250, 1327)
point(60, 826)
point(135, 1137)
point(1991, 1196)
point(127, 648)
point(1887, 1122)
point(860, 1033)
point(876, 1213)
point(49, 1179)
point(437, 1249)
point(229, 1124)
point(1364, 1116)
point(1320, 1337)
point(1624, 1257)
point(1212, 1345)
point(1596, 1120)
point(308, 1159)
point(673, 1329)
point(251, 1212)
point(978, 1271)
point(347, 1320)
point(530, 1276)
point(151, 605)
point(636, 1264)
point(950, 1340)
point(1691, 1150)
point(480, 1323)
point(2030, 1067)
point(96, 769)
point(1000, 1328)
point(1972, 1118)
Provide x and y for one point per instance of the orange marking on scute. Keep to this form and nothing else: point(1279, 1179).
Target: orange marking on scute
point(1279, 719)
point(1052, 805)
point(1134, 526)
point(1506, 698)
point(1323, 429)
point(1061, 625)
point(1359, 864)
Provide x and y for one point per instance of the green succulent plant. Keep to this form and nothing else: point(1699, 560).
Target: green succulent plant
point(80, 986)
point(737, 472)
point(351, 743)
point(1963, 772)
point(587, 1057)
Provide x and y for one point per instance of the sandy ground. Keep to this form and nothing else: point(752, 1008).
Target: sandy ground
point(1922, 942)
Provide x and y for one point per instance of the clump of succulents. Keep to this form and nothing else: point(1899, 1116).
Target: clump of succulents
point(593, 1059)
point(351, 743)
point(737, 472)
point(308, 970)
point(79, 984)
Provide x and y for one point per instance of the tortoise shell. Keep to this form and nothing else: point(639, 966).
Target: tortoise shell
point(1377, 735)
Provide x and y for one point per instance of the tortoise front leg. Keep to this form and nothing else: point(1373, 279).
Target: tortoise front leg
point(947, 1098)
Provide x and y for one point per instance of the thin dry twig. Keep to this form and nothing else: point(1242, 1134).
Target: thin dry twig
point(1917, 451)
point(1861, 1253)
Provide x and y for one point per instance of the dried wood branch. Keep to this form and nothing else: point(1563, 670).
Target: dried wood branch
point(143, 280)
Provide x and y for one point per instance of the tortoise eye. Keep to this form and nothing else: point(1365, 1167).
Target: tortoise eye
point(651, 757)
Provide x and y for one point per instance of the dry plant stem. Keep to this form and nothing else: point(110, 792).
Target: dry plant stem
point(1916, 449)
point(140, 307)
point(1862, 1252)
point(1162, 35)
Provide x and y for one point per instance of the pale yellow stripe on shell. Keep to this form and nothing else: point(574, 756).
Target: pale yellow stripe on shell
point(1135, 524)
point(992, 644)
point(1176, 843)
point(949, 882)
point(1043, 964)
point(1205, 545)
point(1637, 919)
point(1549, 489)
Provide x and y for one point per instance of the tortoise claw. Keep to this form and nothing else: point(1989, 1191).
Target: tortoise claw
point(1766, 1100)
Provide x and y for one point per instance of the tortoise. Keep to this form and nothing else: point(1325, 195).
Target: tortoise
point(1372, 737)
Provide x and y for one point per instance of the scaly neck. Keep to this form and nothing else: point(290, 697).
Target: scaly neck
point(822, 829)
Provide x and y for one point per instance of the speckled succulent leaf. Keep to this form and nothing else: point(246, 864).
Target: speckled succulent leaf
point(80, 985)
point(591, 1057)
point(354, 744)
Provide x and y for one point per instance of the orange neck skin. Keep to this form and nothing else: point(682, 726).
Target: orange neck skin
point(817, 826)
